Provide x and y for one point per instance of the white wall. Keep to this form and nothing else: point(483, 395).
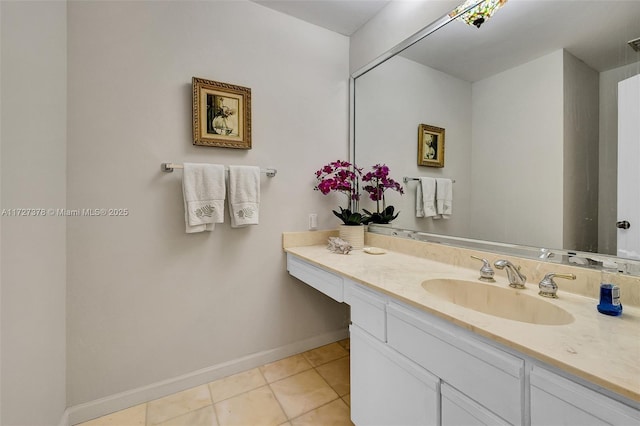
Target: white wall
point(1, 206)
point(397, 21)
point(608, 155)
point(529, 96)
point(388, 113)
point(580, 167)
point(33, 175)
point(148, 302)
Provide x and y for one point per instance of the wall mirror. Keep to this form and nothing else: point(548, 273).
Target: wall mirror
point(529, 103)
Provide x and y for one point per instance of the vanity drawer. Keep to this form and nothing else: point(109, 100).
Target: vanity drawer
point(557, 400)
point(368, 309)
point(324, 281)
point(489, 376)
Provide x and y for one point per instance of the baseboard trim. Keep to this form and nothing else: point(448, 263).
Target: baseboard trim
point(100, 407)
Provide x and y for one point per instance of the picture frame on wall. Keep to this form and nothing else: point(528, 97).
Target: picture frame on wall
point(221, 114)
point(430, 146)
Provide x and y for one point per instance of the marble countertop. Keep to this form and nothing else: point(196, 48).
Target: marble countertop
point(601, 349)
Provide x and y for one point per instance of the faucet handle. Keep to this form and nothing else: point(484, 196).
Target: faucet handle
point(548, 287)
point(486, 272)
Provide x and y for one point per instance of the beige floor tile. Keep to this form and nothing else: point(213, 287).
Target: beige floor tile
point(311, 396)
point(346, 343)
point(326, 353)
point(336, 373)
point(285, 367)
point(336, 413)
point(302, 392)
point(202, 417)
point(134, 416)
point(347, 399)
point(175, 405)
point(235, 385)
point(253, 408)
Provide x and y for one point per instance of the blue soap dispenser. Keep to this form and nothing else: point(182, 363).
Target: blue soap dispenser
point(610, 300)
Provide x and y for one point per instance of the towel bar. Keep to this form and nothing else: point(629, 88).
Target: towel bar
point(407, 179)
point(170, 167)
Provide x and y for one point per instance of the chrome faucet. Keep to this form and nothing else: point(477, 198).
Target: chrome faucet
point(545, 254)
point(516, 278)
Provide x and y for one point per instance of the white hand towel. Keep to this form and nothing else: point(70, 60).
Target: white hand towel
point(426, 198)
point(244, 195)
point(203, 189)
point(444, 197)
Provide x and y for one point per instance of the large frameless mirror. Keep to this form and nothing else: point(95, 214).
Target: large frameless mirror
point(529, 106)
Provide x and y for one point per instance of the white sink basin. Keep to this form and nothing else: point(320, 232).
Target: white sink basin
point(503, 302)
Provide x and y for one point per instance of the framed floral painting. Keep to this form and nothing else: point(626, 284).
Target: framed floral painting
point(221, 114)
point(430, 146)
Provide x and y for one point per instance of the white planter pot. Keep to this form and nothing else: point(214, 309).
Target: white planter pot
point(354, 235)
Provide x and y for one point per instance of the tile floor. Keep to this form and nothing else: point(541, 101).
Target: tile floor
point(311, 388)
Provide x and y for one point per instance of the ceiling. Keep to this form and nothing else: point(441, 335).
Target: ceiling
point(341, 16)
point(595, 31)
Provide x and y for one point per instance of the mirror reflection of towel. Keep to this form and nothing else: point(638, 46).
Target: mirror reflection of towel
point(426, 198)
point(444, 197)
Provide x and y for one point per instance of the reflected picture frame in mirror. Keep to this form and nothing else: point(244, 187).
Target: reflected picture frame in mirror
point(430, 146)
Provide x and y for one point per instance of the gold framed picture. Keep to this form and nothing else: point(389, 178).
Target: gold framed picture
point(221, 114)
point(430, 146)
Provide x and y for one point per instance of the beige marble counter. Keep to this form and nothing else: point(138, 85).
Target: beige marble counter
point(601, 349)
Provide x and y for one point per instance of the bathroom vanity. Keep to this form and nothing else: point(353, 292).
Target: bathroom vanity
point(417, 358)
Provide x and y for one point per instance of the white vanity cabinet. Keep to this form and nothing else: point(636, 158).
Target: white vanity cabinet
point(556, 400)
point(401, 356)
point(388, 389)
point(492, 378)
point(409, 367)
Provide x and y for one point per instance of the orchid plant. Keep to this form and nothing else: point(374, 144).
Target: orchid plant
point(378, 182)
point(344, 177)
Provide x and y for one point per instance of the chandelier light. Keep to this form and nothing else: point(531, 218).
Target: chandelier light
point(479, 14)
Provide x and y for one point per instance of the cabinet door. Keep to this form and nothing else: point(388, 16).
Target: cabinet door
point(388, 389)
point(458, 409)
point(556, 400)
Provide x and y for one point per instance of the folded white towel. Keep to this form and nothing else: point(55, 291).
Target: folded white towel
point(426, 198)
point(203, 189)
point(244, 195)
point(444, 197)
